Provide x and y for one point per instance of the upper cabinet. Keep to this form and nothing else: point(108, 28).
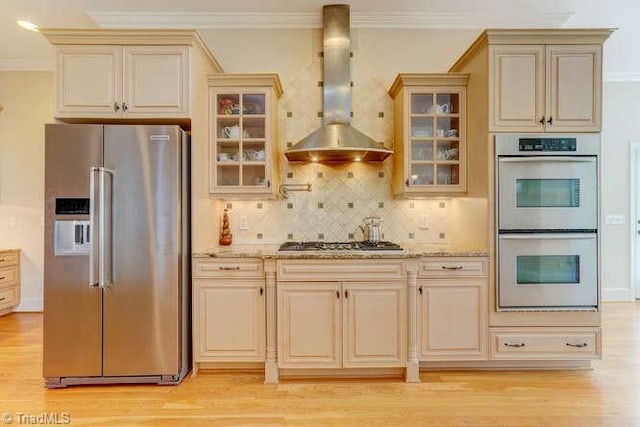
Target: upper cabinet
point(127, 74)
point(242, 135)
point(429, 134)
point(540, 80)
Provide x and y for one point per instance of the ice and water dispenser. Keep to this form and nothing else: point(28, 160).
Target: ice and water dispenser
point(71, 236)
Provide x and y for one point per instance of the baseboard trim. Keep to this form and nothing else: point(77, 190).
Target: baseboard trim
point(30, 304)
point(616, 294)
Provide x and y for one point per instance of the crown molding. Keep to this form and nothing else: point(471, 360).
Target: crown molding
point(26, 64)
point(621, 77)
point(314, 20)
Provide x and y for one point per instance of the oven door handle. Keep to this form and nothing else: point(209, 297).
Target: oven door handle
point(547, 236)
point(531, 159)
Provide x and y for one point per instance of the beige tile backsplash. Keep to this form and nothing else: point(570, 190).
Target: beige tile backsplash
point(341, 195)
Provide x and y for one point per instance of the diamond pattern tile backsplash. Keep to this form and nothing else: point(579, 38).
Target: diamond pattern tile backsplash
point(341, 195)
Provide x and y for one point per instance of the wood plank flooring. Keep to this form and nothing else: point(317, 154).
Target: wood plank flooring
point(608, 395)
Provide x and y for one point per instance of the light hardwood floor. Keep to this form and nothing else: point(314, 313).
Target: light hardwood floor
point(608, 395)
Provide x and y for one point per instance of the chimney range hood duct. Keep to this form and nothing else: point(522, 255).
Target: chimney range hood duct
point(337, 140)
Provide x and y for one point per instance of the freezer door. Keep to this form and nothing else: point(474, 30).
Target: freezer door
point(72, 306)
point(142, 302)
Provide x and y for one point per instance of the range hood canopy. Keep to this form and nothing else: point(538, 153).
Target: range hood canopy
point(336, 140)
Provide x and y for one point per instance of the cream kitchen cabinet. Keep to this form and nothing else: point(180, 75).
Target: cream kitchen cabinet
point(430, 134)
point(9, 280)
point(243, 135)
point(229, 310)
point(341, 313)
point(452, 309)
point(122, 81)
point(553, 88)
point(126, 74)
point(341, 325)
point(540, 80)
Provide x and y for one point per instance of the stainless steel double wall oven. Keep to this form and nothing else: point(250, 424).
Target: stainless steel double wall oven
point(547, 221)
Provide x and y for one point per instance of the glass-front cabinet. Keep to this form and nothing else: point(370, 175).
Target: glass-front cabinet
point(243, 126)
point(429, 110)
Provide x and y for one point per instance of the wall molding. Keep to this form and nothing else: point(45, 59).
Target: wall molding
point(26, 64)
point(314, 20)
point(30, 305)
point(621, 77)
point(617, 294)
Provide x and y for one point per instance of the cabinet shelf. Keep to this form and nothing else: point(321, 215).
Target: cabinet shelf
point(430, 157)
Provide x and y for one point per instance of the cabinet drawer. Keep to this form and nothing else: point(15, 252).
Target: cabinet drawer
point(453, 267)
point(8, 297)
point(9, 258)
point(565, 344)
point(8, 275)
point(228, 267)
point(341, 270)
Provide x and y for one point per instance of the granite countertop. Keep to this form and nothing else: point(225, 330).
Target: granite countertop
point(271, 251)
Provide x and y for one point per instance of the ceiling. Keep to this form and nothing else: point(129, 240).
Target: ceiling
point(25, 50)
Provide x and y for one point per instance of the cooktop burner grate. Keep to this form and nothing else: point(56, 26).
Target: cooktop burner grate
point(340, 246)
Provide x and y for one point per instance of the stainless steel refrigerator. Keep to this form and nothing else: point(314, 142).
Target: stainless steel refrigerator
point(116, 271)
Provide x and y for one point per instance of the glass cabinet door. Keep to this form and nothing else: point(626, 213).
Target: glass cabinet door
point(434, 134)
point(241, 140)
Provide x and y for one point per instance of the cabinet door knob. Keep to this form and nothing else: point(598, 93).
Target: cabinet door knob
point(261, 291)
point(550, 120)
point(420, 290)
point(406, 182)
point(338, 294)
point(116, 106)
point(268, 183)
point(346, 294)
point(541, 121)
point(125, 107)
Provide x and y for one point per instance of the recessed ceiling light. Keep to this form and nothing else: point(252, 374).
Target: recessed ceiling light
point(27, 25)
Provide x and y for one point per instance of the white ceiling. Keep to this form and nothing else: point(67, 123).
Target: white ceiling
point(22, 49)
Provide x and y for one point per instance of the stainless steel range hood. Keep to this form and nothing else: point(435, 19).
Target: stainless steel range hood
point(337, 140)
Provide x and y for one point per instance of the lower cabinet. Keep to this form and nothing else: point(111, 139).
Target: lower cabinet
point(341, 325)
point(452, 311)
point(228, 310)
point(545, 343)
point(9, 280)
point(232, 319)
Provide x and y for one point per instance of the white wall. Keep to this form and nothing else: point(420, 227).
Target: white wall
point(27, 101)
point(621, 125)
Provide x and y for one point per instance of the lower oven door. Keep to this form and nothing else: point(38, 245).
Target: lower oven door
point(547, 271)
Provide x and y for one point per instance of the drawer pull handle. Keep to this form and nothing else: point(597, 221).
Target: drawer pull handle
point(457, 267)
point(2, 278)
point(517, 345)
point(261, 291)
point(2, 259)
point(3, 298)
point(420, 290)
point(338, 294)
point(230, 268)
point(579, 345)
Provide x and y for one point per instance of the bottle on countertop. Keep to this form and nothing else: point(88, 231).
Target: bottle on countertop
point(225, 230)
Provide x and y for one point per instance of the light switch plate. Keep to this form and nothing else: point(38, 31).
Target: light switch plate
point(243, 223)
point(424, 221)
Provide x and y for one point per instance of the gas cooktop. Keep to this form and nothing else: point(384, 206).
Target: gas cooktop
point(340, 246)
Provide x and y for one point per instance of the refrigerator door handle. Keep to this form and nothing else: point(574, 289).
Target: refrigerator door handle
point(93, 216)
point(106, 229)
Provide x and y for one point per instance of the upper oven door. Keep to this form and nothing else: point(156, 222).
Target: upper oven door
point(547, 193)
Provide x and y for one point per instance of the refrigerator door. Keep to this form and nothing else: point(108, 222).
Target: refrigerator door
point(72, 306)
point(142, 302)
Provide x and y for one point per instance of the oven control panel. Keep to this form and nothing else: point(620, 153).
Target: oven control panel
point(547, 144)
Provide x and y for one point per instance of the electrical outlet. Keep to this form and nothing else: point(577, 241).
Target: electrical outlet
point(424, 221)
point(243, 224)
point(615, 219)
